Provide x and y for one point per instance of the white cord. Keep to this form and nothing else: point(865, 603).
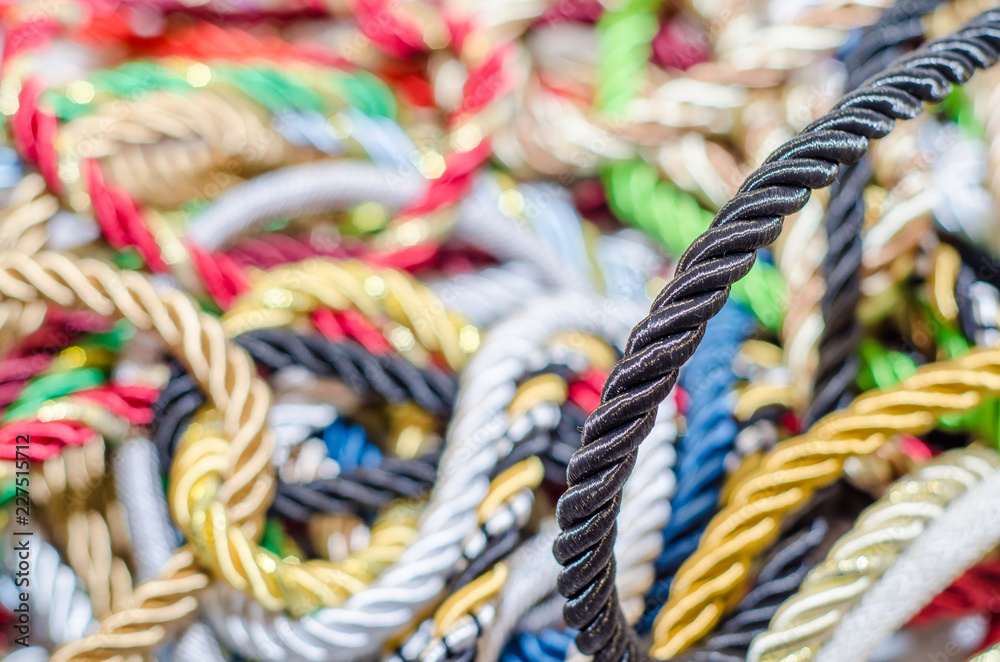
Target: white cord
point(645, 511)
point(370, 617)
point(60, 608)
point(491, 294)
point(137, 481)
point(952, 544)
point(298, 190)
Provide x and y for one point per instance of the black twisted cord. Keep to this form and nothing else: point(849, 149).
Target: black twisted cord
point(779, 579)
point(845, 217)
point(661, 343)
point(364, 490)
point(783, 571)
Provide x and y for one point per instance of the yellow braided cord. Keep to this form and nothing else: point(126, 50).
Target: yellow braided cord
point(796, 468)
point(408, 312)
point(858, 559)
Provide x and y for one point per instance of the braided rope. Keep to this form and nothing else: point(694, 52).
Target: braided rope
point(221, 543)
point(860, 556)
point(406, 310)
point(710, 436)
point(663, 341)
point(966, 534)
point(60, 608)
point(779, 577)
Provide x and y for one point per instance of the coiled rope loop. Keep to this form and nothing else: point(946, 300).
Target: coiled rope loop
point(661, 343)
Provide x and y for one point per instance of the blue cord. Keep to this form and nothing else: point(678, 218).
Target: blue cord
point(348, 444)
point(549, 645)
point(711, 434)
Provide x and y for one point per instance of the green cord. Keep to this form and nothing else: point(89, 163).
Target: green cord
point(274, 88)
point(625, 35)
point(8, 490)
point(638, 196)
point(957, 107)
point(49, 387)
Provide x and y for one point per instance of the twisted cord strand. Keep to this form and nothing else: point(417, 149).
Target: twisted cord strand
point(472, 451)
point(970, 594)
point(408, 311)
point(154, 540)
point(845, 216)
point(60, 608)
point(710, 435)
point(968, 531)
point(223, 370)
point(859, 557)
point(779, 578)
point(796, 468)
point(662, 342)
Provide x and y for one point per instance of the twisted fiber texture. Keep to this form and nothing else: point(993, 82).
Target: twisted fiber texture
point(640, 197)
point(166, 149)
point(153, 538)
point(298, 190)
point(369, 618)
point(779, 577)
point(365, 489)
point(406, 310)
point(22, 229)
point(645, 510)
point(60, 608)
point(626, 35)
point(860, 557)
point(970, 594)
point(385, 376)
point(223, 370)
point(845, 216)
point(487, 296)
point(277, 583)
point(708, 380)
point(794, 469)
point(667, 338)
point(969, 530)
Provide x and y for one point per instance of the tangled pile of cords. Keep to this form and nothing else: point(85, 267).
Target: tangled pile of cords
point(499, 330)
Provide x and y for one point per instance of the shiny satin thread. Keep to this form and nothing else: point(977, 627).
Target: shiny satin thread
point(662, 342)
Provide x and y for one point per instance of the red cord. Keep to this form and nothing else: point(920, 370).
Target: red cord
point(977, 590)
point(34, 133)
point(585, 391)
point(454, 183)
point(133, 402)
point(120, 219)
point(380, 21)
point(47, 439)
point(351, 324)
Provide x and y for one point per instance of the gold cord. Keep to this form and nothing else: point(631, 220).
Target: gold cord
point(789, 474)
point(804, 621)
point(407, 311)
point(222, 370)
